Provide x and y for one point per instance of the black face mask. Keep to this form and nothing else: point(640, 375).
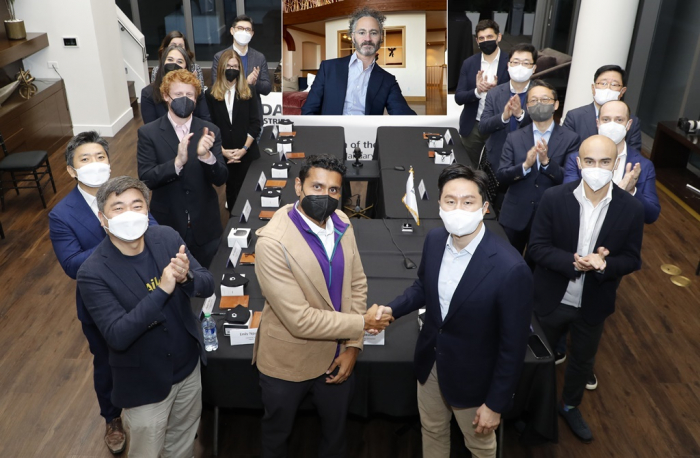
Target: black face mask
point(170, 67)
point(319, 208)
point(232, 74)
point(183, 107)
point(488, 47)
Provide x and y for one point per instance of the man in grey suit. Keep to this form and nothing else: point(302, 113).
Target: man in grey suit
point(254, 63)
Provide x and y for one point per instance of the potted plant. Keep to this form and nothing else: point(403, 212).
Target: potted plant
point(500, 15)
point(13, 26)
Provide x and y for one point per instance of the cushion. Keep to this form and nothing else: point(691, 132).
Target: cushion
point(545, 63)
point(290, 84)
point(309, 81)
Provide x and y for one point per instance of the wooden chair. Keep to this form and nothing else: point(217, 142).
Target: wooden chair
point(25, 167)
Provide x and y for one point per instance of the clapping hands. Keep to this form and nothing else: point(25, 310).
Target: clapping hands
point(594, 261)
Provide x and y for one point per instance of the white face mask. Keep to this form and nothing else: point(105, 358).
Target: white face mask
point(242, 38)
point(461, 222)
point(94, 174)
point(520, 74)
point(614, 131)
point(128, 226)
point(605, 95)
point(595, 177)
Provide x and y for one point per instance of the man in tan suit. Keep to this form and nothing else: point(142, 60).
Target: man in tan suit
point(315, 313)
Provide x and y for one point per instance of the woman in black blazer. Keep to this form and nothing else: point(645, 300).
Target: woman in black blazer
point(234, 110)
point(152, 104)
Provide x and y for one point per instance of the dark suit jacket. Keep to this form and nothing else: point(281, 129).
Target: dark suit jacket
point(480, 345)
point(150, 110)
point(646, 184)
point(465, 95)
point(246, 121)
point(582, 120)
point(492, 125)
point(525, 191)
point(327, 93)
point(190, 193)
point(75, 231)
point(263, 85)
point(131, 319)
point(554, 240)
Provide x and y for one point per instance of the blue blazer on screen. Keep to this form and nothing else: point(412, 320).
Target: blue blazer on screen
point(465, 95)
point(75, 231)
point(646, 184)
point(327, 93)
point(582, 120)
point(131, 319)
point(492, 125)
point(480, 345)
point(525, 191)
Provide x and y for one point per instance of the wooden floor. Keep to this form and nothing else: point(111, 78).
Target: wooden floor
point(647, 404)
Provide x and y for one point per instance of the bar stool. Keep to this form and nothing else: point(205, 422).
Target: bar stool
point(25, 167)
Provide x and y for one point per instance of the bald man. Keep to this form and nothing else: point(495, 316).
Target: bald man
point(634, 173)
point(586, 235)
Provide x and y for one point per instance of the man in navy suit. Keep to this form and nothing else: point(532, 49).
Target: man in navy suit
point(479, 74)
point(137, 286)
point(608, 84)
point(471, 348)
point(532, 161)
point(634, 172)
point(75, 231)
point(586, 236)
point(356, 85)
point(504, 109)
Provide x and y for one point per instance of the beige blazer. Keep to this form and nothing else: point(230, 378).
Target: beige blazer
point(300, 329)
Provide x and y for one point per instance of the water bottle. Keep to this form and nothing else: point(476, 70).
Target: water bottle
point(211, 343)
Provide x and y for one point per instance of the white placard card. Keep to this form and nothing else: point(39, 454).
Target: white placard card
point(374, 340)
point(209, 304)
point(422, 191)
point(245, 214)
point(261, 182)
point(448, 138)
point(243, 336)
point(235, 254)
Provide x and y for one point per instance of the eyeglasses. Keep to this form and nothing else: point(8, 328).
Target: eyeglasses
point(615, 86)
point(363, 33)
point(543, 100)
point(243, 29)
point(524, 63)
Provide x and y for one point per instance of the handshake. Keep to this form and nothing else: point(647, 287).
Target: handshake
point(377, 318)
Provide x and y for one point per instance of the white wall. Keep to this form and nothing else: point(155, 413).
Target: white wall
point(311, 55)
point(94, 71)
point(293, 60)
point(412, 77)
point(136, 67)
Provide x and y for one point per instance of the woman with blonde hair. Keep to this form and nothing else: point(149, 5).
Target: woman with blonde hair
point(234, 109)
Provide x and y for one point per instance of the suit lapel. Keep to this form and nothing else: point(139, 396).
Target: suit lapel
point(591, 120)
point(305, 257)
point(479, 266)
point(611, 217)
point(83, 215)
point(573, 212)
point(375, 82)
point(432, 273)
point(168, 134)
point(554, 140)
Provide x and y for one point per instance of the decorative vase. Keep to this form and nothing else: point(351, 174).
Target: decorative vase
point(15, 29)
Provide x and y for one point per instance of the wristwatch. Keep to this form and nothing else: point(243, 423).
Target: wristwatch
point(189, 278)
point(245, 147)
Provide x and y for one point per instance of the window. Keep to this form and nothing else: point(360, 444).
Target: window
point(391, 54)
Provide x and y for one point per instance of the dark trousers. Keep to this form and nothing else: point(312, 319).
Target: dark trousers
point(473, 144)
point(584, 345)
point(281, 399)
point(236, 175)
point(101, 372)
point(519, 240)
point(202, 253)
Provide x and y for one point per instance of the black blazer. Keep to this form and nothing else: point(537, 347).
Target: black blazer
point(582, 120)
point(492, 125)
point(190, 193)
point(131, 320)
point(554, 240)
point(150, 110)
point(480, 345)
point(246, 121)
point(525, 191)
point(327, 93)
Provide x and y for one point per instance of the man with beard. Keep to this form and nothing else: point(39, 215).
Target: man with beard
point(369, 88)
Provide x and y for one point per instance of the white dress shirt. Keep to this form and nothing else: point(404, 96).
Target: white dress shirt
point(230, 97)
point(181, 130)
point(326, 235)
point(619, 172)
point(537, 136)
point(591, 220)
point(490, 70)
point(91, 200)
point(452, 268)
point(356, 92)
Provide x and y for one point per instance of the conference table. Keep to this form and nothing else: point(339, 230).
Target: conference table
point(403, 148)
point(230, 381)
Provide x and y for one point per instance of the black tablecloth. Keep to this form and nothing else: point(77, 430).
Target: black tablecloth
point(405, 147)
